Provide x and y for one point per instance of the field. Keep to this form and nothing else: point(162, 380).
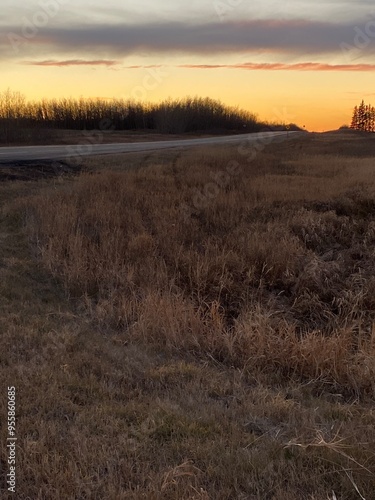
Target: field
point(194, 324)
point(57, 137)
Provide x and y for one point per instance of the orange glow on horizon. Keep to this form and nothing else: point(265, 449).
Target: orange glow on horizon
point(318, 100)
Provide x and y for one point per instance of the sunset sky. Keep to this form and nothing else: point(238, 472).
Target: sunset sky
point(303, 61)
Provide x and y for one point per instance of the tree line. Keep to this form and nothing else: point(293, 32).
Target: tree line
point(363, 118)
point(191, 114)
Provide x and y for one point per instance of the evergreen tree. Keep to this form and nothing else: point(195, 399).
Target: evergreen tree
point(372, 119)
point(363, 117)
point(354, 124)
point(369, 118)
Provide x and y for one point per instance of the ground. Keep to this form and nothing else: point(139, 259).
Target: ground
point(57, 137)
point(179, 326)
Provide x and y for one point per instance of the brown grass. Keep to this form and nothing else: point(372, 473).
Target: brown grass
point(217, 346)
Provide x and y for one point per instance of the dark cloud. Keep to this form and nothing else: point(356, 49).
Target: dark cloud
point(294, 37)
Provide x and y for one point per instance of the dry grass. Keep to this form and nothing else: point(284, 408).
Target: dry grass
point(225, 354)
point(272, 271)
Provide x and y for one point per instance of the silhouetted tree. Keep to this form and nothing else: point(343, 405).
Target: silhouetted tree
point(354, 122)
point(363, 118)
point(191, 114)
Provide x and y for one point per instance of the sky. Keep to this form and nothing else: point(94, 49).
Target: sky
point(303, 61)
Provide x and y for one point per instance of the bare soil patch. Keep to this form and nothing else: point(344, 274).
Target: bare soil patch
point(36, 170)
